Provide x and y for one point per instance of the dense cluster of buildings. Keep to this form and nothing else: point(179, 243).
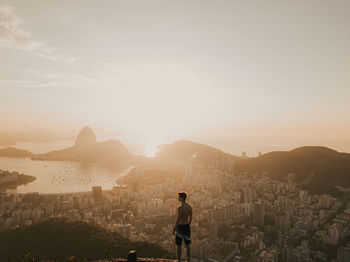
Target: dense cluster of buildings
point(237, 216)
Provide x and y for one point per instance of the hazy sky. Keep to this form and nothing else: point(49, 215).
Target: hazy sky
point(268, 73)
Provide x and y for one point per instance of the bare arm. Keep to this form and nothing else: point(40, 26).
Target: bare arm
point(190, 215)
point(178, 218)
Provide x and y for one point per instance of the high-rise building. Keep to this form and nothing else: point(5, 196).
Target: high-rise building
point(97, 193)
point(217, 164)
point(230, 165)
point(203, 251)
point(291, 178)
point(249, 195)
point(248, 209)
point(285, 254)
point(49, 209)
point(282, 221)
point(259, 214)
point(223, 163)
point(303, 196)
point(325, 201)
point(343, 254)
point(213, 230)
point(334, 232)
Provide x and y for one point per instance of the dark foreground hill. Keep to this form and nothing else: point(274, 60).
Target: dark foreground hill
point(58, 239)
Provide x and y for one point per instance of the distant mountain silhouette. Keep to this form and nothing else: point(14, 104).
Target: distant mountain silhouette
point(57, 239)
point(185, 150)
point(321, 167)
point(302, 160)
point(318, 168)
point(86, 138)
point(86, 148)
point(15, 152)
point(10, 138)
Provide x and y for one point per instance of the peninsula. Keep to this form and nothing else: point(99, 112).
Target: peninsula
point(13, 179)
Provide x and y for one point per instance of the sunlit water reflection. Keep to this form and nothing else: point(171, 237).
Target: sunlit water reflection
point(68, 176)
point(60, 176)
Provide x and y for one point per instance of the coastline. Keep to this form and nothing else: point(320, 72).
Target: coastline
point(22, 180)
point(11, 188)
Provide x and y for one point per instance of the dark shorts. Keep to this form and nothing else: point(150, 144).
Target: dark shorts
point(183, 232)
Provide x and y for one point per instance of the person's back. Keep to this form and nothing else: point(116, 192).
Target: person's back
point(182, 226)
point(185, 211)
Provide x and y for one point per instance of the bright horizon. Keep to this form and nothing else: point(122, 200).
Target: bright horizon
point(239, 76)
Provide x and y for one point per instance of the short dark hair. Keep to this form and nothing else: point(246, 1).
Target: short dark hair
point(183, 195)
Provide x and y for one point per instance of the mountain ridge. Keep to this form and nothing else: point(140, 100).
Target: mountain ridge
point(327, 167)
point(86, 148)
point(323, 166)
point(15, 152)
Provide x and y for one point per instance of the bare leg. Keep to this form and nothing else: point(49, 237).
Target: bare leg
point(188, 250)
point(179, 253)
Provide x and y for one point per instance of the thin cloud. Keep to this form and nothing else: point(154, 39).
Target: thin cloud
point(92, 77)
point(33, 83)
point(13, 36)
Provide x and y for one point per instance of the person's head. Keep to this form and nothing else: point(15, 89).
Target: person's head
point(182, 196)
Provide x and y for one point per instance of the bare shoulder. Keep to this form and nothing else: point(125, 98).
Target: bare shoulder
point(188, 206)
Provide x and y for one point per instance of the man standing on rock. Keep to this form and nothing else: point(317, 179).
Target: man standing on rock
point(182, 226)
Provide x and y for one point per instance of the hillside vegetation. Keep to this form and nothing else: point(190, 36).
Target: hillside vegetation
point(58, 239)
